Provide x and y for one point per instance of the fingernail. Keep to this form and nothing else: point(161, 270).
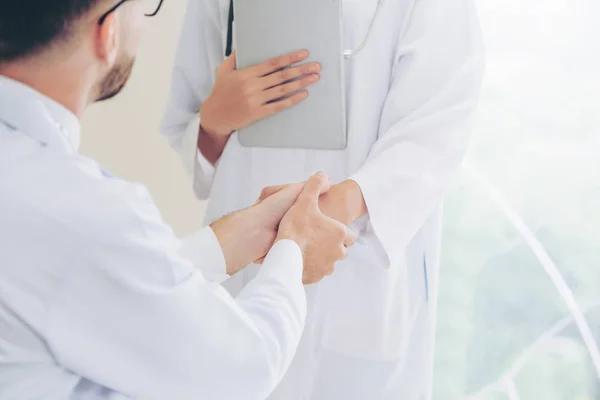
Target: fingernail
point(313, 78)
point(315, 68)
point(303, 54)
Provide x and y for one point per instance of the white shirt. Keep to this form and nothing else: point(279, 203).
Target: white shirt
point(96, 300)
point(411, 95)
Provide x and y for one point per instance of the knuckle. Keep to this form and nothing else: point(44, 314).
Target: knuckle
point(282, 105)
point(309, 68)
point(318, 178)
point(340, 235)
point(330, 269)
point(307, 80)
point(283, 89)
point(275, 63)
point(303, 203)
point(296, 72)
point(296, 99)
point(284, 75)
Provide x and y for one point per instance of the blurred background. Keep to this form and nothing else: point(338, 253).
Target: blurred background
point(520, 287)
point(123, 134)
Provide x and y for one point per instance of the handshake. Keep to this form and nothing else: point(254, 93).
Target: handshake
point(286, 212)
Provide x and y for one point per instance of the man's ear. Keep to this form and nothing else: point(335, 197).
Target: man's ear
point(107, 39)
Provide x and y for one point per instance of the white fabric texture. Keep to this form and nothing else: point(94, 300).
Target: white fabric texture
point(96, 299)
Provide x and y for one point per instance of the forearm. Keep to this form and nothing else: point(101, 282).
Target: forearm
point(244, 237)
point(211, 145)
point(344, 202)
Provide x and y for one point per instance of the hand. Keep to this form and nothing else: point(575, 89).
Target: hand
point(323, 241)
point(343, 202)
point(249, 234)
point(240, 98)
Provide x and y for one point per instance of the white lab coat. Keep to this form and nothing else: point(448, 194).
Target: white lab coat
point(96, 300)
point(411, 94)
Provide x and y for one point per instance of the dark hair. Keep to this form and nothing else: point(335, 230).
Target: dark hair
point(28, 26)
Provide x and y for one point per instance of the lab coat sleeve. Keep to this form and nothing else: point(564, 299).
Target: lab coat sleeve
point(203, 249)
point(426, 120)
point(134, 316)
point(199, 53)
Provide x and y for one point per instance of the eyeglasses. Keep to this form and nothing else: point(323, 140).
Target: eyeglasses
point(151, 8)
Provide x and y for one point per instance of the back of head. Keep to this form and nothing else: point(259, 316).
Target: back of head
point(74, 51)
point(28, 27)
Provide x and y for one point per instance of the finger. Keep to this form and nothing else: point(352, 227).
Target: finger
point(287, 74)
point(229, 64)
point(283, 90)
point(350, 239)
point(277, 63)
point(330, 269)
point(279, 203)
point(315, 186)
point(343, 252)
point(270, 191)
point(278, 106)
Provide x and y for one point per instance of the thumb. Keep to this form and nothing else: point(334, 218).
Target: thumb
point(314, 188)
point(280, 202)
point(270, 191)
point(230, 63)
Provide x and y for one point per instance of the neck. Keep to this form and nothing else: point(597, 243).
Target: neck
point(63, 82)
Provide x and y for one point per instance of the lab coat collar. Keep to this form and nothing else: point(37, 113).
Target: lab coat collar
point(38, 116)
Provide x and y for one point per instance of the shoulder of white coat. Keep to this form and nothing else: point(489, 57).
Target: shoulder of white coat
point(77, 197)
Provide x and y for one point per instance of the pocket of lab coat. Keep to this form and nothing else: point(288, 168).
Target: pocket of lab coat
point(365, 308)
point(369, 312)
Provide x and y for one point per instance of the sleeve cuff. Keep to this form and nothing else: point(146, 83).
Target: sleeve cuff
point(204, 250)
point(375, 232)
point(282, 269)
point(284, 261)
point(195, 163)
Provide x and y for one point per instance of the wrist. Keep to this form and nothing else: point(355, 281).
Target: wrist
point(210, 128)
point(211, 143)
point(243, 238)
point(286, 235)
point(353, 199)
point(344, 202)
point(212, 132)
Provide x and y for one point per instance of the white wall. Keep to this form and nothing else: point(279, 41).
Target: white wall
point(123, 133)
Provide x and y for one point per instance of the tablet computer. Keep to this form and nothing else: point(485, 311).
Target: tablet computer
point(265, 29)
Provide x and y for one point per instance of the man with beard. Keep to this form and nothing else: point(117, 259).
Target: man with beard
point(98, 299)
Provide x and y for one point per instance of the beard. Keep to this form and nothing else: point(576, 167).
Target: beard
point(115, 80)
